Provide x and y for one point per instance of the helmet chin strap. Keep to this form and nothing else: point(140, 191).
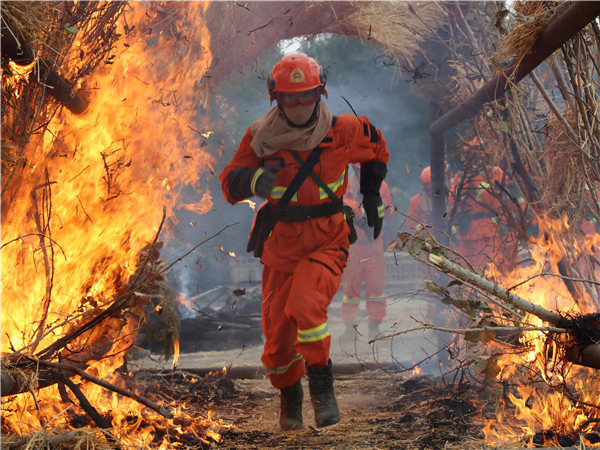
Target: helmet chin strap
point(306, 124)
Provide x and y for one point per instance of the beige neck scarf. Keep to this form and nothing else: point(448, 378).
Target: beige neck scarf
point(273, 132)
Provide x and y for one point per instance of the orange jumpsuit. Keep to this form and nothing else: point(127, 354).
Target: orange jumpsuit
point(366, 262)
point(417, 211)
point(477, 221)
point(304, 261)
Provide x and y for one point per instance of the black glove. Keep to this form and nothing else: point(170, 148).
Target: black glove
point(372, 174)
point(263, 181)
point(373, 206)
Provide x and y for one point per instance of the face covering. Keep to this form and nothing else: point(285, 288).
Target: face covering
point(275, 131)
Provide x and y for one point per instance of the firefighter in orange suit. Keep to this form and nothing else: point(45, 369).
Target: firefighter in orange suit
point(365, 263)
point(420, 206)
point(477, 221)
point(303, 244)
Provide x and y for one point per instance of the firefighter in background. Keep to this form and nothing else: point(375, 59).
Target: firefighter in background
point(419, 209)
point(477, 221)
point(366, 263)
point(420, 206)
point(303, 245)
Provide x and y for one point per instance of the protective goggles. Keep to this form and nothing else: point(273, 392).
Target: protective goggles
point(290, 99)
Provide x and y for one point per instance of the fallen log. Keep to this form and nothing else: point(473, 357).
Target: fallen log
point(254, 372)
point(13, 386)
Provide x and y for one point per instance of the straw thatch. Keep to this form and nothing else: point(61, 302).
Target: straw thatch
point(32, 20)
point(527, 22)
point(241, 34)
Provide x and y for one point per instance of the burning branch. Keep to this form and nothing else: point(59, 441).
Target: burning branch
point(119, 390)
point(42, 222)
point(469, 277)
point(582, 342)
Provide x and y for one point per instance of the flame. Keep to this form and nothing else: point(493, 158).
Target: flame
point(19, 73)
point(92, 196)
point(536, 408)
point(417, 371)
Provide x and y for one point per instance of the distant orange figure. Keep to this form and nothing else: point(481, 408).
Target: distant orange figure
point(420, 209)
point(477, 220)
point(366, 263)
point(420, 204)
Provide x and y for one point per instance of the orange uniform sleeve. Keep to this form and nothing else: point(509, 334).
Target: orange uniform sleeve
point(244, 157)
point(364, 142)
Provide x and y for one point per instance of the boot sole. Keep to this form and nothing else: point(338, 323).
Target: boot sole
point(296, 426)
point(329, 421)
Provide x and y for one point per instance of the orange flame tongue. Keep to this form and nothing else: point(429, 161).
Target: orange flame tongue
point(540, 410)
point(97, 189)
point(92, 193)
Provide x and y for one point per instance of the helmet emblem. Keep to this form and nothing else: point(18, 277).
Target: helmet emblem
point(297, 76)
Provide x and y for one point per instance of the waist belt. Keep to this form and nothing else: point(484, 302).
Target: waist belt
point(301, 213)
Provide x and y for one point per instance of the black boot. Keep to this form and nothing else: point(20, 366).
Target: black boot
point(373, 329)
point(349, 332)
point(290, 416)
point(320, 384)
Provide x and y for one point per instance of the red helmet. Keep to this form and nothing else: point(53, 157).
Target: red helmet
point(426, 175)
point(296, 72)
point(496, 174)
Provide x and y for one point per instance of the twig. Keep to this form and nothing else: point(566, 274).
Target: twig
point(552, 106)
point(427, 326)
point(43, 228)
point(53, 441)
point(196, 246)
point(35, 234)
point(88, 408)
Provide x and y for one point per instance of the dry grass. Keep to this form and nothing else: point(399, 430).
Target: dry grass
point(59, 439)
point(30, 19)
point(400, 27)
point(526, 25)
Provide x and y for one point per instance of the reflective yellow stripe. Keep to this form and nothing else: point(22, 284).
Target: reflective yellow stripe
point(282, 369)
point(314, 334)
point(353, 301)
point(333, 186)
point(380, 211)
point(278, 191)
point(255, 177)
point(376, 298)
point(483, 187)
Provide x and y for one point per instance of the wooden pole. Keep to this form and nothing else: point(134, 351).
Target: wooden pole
point(438, 173)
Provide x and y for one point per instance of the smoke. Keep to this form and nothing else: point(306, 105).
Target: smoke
point(359, 78)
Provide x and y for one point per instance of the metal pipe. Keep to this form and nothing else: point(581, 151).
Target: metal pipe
point(558, 32)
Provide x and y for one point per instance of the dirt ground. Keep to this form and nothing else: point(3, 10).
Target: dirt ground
point(384, 402)
point(383, 405)
point(379, 411)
